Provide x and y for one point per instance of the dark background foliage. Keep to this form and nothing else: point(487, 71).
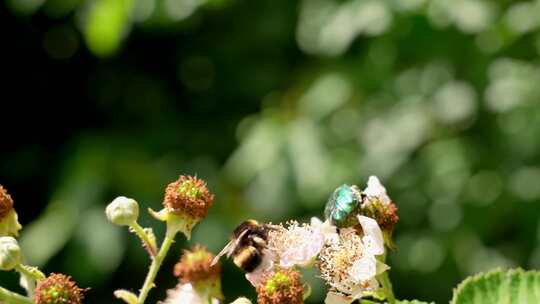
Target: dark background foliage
point(275, 103)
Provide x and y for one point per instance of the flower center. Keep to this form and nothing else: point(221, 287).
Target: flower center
point(278, 282)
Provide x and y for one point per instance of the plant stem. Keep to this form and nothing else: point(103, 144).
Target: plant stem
point(139, 231)
point(156, 264)
point(387, 287)
point(30, 275)
point(31, 272)
point(384, 279)
point(13, 298)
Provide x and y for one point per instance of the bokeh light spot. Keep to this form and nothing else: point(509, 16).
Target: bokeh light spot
point(525, 183)
point(426, 254)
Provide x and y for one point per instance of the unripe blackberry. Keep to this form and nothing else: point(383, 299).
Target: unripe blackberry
point(188, 196)
point(196, 266)
point(186, 203)
point(58, 288)
point(282, 286)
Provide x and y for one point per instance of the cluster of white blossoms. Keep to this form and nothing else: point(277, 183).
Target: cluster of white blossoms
point(346, 257)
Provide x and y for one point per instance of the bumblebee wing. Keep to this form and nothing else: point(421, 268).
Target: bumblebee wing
point(229, 248)
point(226, 250)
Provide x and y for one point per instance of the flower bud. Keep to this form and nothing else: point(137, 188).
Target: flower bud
point(58, 288)
point(241, 300)
point(10, 253)
point(283, 286)
point(9, 223)
point(122, 211)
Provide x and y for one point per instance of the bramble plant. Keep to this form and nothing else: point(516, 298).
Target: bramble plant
point(348, 248)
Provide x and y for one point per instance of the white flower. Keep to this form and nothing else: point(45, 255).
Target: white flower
point(267, 265)
point(186, 294)
point(376, 189)
point(373, 238)
point(327, 229)
point(297, 244)
point(349, 266)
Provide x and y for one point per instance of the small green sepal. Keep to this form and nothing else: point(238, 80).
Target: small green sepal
point(175, 222)
point(9, 225)
point(126, 296)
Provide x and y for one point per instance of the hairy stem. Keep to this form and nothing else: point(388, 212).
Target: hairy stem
point(156, 264)
point(29, 275)
point(13, 298)
point(139, 231)
point(30, 271)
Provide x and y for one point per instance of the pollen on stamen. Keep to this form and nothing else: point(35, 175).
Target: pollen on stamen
point(295, 244)
point(335, 261)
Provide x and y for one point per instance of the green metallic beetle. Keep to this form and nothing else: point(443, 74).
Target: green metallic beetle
point(343, 206)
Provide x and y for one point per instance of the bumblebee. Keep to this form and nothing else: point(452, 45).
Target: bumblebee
point(343, 206)
point(247, 245)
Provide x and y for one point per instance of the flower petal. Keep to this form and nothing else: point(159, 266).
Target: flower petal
point(336, 298)
point(376, 189)
point(183, 294)
point(327, 229)
point(364, 269)
point(373, 237)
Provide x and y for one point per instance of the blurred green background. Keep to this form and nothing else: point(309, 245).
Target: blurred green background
point(275, 103)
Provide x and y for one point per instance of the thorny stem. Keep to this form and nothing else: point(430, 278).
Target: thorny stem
point(139, 231)
point(13, 298)
point(156, 264)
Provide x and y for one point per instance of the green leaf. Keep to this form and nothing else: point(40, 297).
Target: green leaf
point(498, 286)
point(413, 302)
